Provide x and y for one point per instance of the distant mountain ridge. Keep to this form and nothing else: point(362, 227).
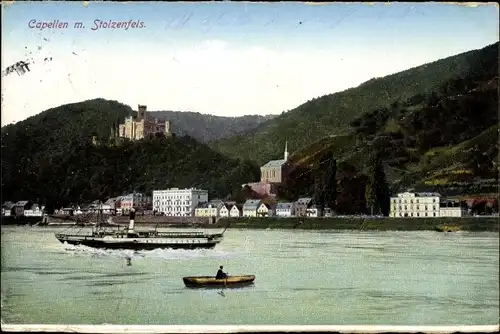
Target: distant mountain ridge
point(207, 128)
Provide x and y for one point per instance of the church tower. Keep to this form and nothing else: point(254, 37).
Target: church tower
point(286, 151)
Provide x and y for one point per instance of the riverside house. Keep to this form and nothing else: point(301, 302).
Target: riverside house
point(315, 211)
point(410, 204)
point(285, 209)
point(453, 209)
point(34, 211)
point(20, 206)
point(201, 210)
point(137, 201)
point(266, 210)
point(209, 209)
point(8, 208)
point(236, 210)
point(224, 210)
point(250, 207)
point(301, 206)
point(114, 204)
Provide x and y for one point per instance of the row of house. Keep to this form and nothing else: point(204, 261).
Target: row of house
point(303, 207)
point(113, 206)
point(22, 208)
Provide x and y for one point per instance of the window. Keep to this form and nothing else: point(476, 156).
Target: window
point(426, 214)
point(434, 214)
point(418, 215)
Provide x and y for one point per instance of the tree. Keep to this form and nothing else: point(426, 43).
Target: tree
point(377, 193)
point(319, 193)
point(370, 195)
point(325, 183)
point(330, 190)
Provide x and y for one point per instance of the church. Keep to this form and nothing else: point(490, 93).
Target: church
point(272, 174)
point(274, 170)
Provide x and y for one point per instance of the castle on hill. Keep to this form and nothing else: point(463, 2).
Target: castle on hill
point(141, 126)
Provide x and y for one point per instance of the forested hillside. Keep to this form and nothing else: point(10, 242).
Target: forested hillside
point(206, 128)
point(445, 140)
point(333, 114)
point(51, 157)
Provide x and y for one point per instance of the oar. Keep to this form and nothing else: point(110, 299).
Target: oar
point(225, 228)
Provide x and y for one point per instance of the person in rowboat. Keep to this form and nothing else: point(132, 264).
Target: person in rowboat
point(220, 274)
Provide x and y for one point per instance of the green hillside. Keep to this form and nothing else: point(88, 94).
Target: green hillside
point(332, 114)
point(436, 127)
point(50, 156)
point(206, 128)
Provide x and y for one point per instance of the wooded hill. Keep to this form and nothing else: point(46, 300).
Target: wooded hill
point(50, 156)
point(436, 127)
point(207, 128)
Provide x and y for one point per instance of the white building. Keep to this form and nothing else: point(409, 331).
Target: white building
point(178, 202)
point(313, 211)
point(224, 211)
point(419, 205)
point(34, 211)
point(250, 208)
point(452, 209)
point(285, 209)
point(264, 210)
point(236, 210)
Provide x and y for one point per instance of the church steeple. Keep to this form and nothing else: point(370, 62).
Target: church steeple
point(286, 151)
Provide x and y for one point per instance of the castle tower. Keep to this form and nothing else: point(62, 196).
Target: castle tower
point(167, 127)
point(286, 151)
point(141, 112)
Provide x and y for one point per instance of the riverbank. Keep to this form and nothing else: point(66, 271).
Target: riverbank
point(444, 224)
point(13, 220)
point(374, 224)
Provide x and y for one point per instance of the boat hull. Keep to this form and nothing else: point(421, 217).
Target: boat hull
point(212, 282)
point(137, 245)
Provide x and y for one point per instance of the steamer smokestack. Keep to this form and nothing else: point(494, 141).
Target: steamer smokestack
point(131, 223)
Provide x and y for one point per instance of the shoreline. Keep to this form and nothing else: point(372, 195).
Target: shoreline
point(443, 224)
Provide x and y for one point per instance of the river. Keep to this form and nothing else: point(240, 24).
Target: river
point(303, 277)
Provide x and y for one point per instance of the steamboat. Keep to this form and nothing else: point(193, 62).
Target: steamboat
point(108, 235)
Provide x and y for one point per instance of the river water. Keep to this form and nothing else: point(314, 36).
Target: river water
point(303, 278)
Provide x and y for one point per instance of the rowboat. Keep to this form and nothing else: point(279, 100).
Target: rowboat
point(211, 281)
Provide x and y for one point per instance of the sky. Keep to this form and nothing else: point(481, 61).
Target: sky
point(225, 59)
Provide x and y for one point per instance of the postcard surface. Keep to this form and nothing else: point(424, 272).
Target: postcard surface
point(222, 163)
